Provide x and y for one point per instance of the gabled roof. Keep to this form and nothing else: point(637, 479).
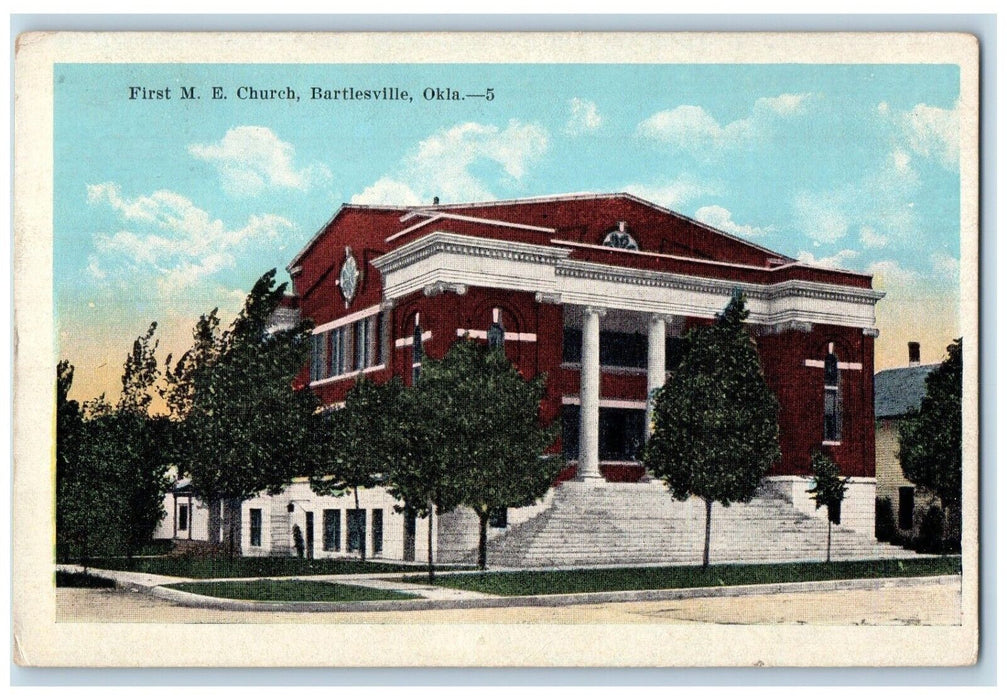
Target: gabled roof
point(900, 391)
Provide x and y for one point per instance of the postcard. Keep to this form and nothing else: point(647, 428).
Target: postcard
point(528, 349)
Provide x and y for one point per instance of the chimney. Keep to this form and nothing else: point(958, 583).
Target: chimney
point(437, 200)
point(914, 354)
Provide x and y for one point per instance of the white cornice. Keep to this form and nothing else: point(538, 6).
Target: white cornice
point(453, 243)
point(441, 258)
point(650, 278)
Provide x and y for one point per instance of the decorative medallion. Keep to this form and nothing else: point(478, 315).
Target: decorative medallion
point(620, 238)
point(349, 277)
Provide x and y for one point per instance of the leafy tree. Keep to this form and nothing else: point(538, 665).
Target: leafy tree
point(240, 427)
point(715, 420)
point(828, 490)
point(930, 442)
point(496, 441)
point(422, 476)
point(111, 469)
point(362, 446)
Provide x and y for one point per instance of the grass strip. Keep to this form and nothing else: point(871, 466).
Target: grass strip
point(244, 567)
point(290, 591)
point(664, 577)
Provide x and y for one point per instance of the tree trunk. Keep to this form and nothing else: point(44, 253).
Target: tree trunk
point(706, 542)
point(363, 535)
point(828, 545)
point(430, 544)
point(484, 517)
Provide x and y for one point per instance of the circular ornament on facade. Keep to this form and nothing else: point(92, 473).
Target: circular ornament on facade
point(349, 277)
point(620, 239)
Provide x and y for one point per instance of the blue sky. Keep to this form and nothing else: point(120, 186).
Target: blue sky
point(167, 208)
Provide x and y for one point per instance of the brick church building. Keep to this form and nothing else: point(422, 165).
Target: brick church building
point(595, 291)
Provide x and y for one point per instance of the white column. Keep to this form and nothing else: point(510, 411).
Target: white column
point(590, 379)
point(655, 363)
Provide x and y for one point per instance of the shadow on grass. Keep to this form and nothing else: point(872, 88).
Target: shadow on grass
point(201, 566)
point(289, 591)
point(76, 579)
point(666, 577)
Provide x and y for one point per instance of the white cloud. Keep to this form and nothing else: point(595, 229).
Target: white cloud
point(584, 117)
point(171, 239)
point(821, 216)
point(673, 193)
point(692, 129)
point(251, 159)
point(838, 261)
point(387, 191)
point(929, 132)
point(441, 164)
point(720, 218)
point(879, 205)
point(871, 238)
point(945, 266)
point(888, 275)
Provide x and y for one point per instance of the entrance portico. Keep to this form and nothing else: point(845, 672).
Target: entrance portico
point(621, 325)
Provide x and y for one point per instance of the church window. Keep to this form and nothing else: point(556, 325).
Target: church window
point(337, 353)
point(495, 334)
point(833, 398)
point(417, 349)
point(317, 356)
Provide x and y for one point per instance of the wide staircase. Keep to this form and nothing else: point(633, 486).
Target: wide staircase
point(641, 524)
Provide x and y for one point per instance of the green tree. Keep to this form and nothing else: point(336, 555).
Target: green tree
point(827, 490)
point(422, 476)
point(497, 442)
point(111, 466)
point(715, 429)
point(361, 446)
point(930, 441)
point(239, 425)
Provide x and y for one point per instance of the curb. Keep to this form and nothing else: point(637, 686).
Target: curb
point(202, 601)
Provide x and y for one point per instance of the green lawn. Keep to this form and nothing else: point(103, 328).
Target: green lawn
point(290, 591)
point(648, 578)
point(244, 567)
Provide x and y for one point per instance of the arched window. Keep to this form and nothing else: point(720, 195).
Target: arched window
point(495, 334)
point(833, 398)
point(417, 348)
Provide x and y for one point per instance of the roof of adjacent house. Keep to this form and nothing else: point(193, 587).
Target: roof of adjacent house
point(900, 391)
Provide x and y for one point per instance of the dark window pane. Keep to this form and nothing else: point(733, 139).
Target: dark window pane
point(831, 370)
point(571, 344)
point(356, 529)
point(495, 335)
point(674, 351)
point(623, 349)
point(832, 417)
point(571, 431)
point(331, 527)
point(255, 524)
point(183, 517)
point(620, 433)
point(377, 530)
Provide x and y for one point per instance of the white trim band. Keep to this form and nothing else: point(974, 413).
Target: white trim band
point(348, 319)
point(408, 340)
point(347, 375)
point(481, 335)
point(608, 403)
